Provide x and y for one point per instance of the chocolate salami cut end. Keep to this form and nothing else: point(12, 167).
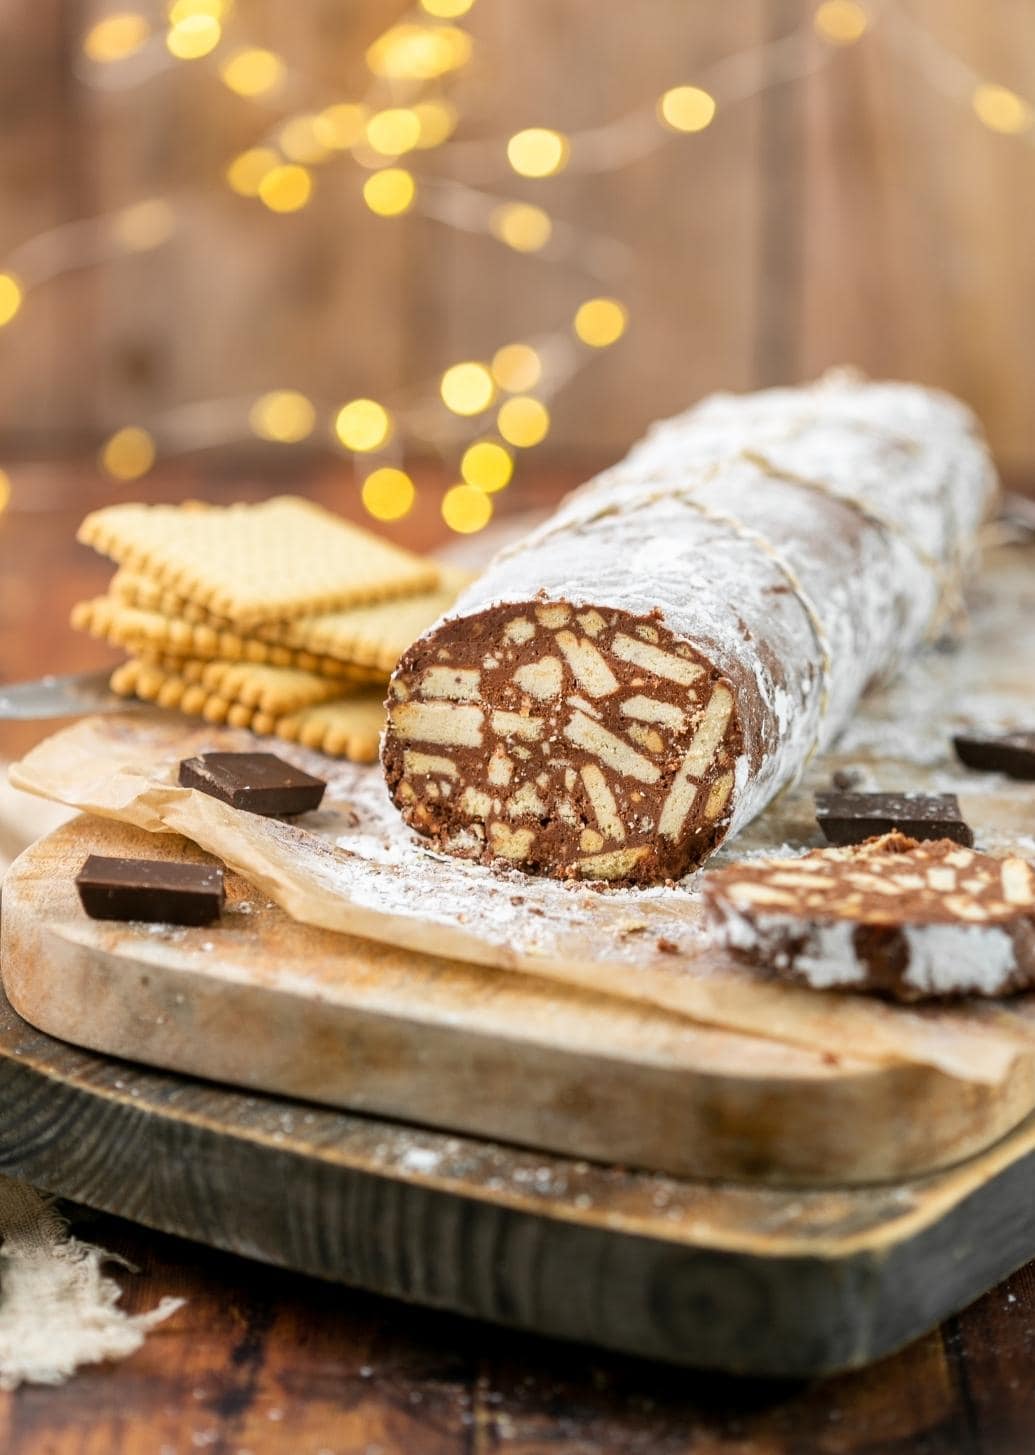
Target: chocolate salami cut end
point(1009, 753)
point(851, 818)
point(636, 679)
point(157, 891)
point(894, 916)
point(588, 744)
point(258, 782)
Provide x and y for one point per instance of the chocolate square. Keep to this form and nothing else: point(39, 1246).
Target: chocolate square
point(849, 818)
point(1009, 753)
point(160, 891)
point(257, 782)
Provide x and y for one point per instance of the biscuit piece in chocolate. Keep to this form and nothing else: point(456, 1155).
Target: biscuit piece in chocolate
point(159, 891)
point(850, 818)
point(259, 782)
point(901, 918)
point(1009, 753)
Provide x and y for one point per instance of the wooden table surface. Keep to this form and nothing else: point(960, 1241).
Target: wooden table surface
point(272, 1363)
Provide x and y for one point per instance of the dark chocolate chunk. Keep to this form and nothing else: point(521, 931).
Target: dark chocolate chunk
point(157, 890)
point(849, 818)
point(1009, 753)
point(259, 782)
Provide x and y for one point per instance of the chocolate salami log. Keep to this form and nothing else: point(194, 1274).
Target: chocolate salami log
point(638, 678)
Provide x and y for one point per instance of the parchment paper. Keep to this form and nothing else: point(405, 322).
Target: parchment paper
point(353, 867)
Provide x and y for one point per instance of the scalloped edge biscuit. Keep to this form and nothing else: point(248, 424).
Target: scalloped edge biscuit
point(188, 684)
point(373, 636)
point(159, 638)
point(283, 558)
point(348, 728)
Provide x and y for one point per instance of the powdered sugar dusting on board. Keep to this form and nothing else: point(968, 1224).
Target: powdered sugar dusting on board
point(505, 906)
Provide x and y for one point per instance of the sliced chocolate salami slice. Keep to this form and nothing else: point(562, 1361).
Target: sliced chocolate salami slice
point(902, 918)
point(1009, 753)
point(851, 818)
point(637, 679)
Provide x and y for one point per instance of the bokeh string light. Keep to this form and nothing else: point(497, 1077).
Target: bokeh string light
point(480, 414)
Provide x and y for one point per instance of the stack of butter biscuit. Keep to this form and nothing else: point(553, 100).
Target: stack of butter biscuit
point(278, 617)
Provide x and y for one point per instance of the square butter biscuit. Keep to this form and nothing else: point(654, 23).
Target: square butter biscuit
point(157, 637)
point(257, 563)
point(347, 728)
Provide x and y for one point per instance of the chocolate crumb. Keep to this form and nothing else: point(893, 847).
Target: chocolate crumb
point(845, 778)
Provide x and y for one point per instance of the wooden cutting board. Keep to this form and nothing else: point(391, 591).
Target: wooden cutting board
point(261, 1001)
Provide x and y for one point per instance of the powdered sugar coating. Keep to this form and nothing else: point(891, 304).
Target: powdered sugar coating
point(802, 540)
point(960, 959)
point(943, 960)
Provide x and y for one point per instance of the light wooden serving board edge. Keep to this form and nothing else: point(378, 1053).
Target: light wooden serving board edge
point(262, 1002)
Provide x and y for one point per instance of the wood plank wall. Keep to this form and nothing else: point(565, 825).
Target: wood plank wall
point(857, 215)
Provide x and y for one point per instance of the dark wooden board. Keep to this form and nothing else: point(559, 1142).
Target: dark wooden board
point(745, 1279)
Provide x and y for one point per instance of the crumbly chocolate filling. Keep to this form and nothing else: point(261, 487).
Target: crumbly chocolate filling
point(573, 741)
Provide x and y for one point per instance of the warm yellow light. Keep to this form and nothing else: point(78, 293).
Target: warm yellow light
point(467, 388)
point(300, 139)
point(840, 21)
point(487, 466)
point(388, 494)
point(516, 367)
point(116, 37)
point(437, 121)
point(446, 9)
point(180, 10)
point(252, 71)
point(538, 152)
point(193, 37)
point(1001, 109)
point(283, 415)
point(286, 188)
point(465, 509)
point(129, 454)
point(11, 296)
point(245, 172)
point(393, 131)
point(521, 226)
point(341, 125)
point(523, 422)
point(600, 322)
point(5, 491)
point(144, 225)
point(389, 192)
point(687, 108)
point(456, 45)
point(362, 425)
point(418, 52)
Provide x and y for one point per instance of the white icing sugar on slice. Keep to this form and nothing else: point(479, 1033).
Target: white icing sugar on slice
point(828, 957)
point(943, 959)
point(954, 959)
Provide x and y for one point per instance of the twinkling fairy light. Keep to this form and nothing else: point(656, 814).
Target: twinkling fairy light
point(479, 413)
